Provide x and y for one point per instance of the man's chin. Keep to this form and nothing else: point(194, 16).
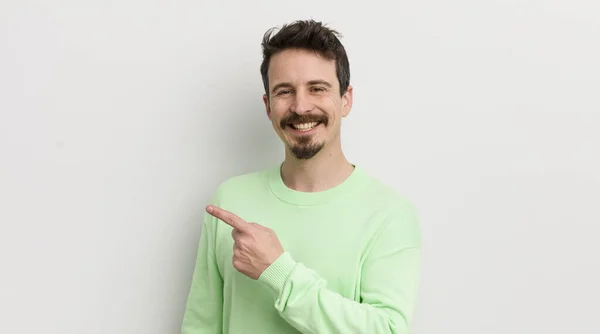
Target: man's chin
point(305, 152)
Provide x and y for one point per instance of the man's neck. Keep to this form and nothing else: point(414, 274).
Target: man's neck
point(324, 171)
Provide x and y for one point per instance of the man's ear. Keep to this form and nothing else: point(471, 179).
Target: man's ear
point(347, 99)
point(267, 107)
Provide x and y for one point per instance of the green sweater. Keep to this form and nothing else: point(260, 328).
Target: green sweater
point(351, 261)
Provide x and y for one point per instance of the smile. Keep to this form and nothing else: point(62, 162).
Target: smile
point(304, 128)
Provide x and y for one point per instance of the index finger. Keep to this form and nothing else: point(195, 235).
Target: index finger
point(227, 217)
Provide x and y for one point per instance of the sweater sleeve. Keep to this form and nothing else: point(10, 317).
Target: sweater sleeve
point(204, 309)
point(388, 288)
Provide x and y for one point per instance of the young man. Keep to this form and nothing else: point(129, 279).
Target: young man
point(314, 244)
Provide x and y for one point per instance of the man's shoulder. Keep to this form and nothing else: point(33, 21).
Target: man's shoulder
point(386, 196)
point(395, 212)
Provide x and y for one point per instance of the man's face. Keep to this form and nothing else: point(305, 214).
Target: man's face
point(305, 105)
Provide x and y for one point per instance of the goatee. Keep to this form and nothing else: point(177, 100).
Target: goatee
point(304, 151)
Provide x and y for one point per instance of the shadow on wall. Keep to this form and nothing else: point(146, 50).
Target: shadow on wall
point(243, 139)
point(232, 135)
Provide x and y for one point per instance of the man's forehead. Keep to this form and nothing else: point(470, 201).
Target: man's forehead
point(300, 62)
point(298, 68)
point(300, 54)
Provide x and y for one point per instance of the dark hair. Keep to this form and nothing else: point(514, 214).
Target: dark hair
point(307, 35)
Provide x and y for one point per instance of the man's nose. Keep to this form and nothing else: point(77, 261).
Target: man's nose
point(302, 103)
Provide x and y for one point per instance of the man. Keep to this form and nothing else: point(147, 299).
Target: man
point(314, 244)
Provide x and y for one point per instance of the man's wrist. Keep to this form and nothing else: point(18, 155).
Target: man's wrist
point(278, 272)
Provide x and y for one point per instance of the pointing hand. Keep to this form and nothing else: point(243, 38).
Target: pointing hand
point(255, 246)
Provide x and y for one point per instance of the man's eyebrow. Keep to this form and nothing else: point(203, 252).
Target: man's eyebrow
point(319, 82)
point(311, 82)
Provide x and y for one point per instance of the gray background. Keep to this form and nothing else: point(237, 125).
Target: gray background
point(119, 118)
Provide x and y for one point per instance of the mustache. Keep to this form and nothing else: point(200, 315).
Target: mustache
point(295, 118)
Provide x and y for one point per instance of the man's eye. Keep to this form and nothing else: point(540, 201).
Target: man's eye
point(283, 92)
point(317, 89)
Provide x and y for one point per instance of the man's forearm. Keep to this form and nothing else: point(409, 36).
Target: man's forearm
point(305, 302)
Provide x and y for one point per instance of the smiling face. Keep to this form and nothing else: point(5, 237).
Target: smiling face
point(304, 103)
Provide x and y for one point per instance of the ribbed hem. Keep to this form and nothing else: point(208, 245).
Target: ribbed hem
point(278, 272)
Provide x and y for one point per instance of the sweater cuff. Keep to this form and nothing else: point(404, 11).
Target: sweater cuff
point(278, 272)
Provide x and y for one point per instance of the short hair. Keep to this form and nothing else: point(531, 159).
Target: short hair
point(307, 35)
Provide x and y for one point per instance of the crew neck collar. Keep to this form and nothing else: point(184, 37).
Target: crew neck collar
point(294, 197)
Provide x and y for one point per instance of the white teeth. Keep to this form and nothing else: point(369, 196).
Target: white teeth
point(305, 126)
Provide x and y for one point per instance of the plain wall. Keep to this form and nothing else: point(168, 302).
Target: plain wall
point(119, 118)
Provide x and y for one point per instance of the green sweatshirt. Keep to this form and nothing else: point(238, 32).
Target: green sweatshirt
point(351, 261)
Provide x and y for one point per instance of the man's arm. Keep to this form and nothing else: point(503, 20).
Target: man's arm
point(204, 309)
point(388, 288)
